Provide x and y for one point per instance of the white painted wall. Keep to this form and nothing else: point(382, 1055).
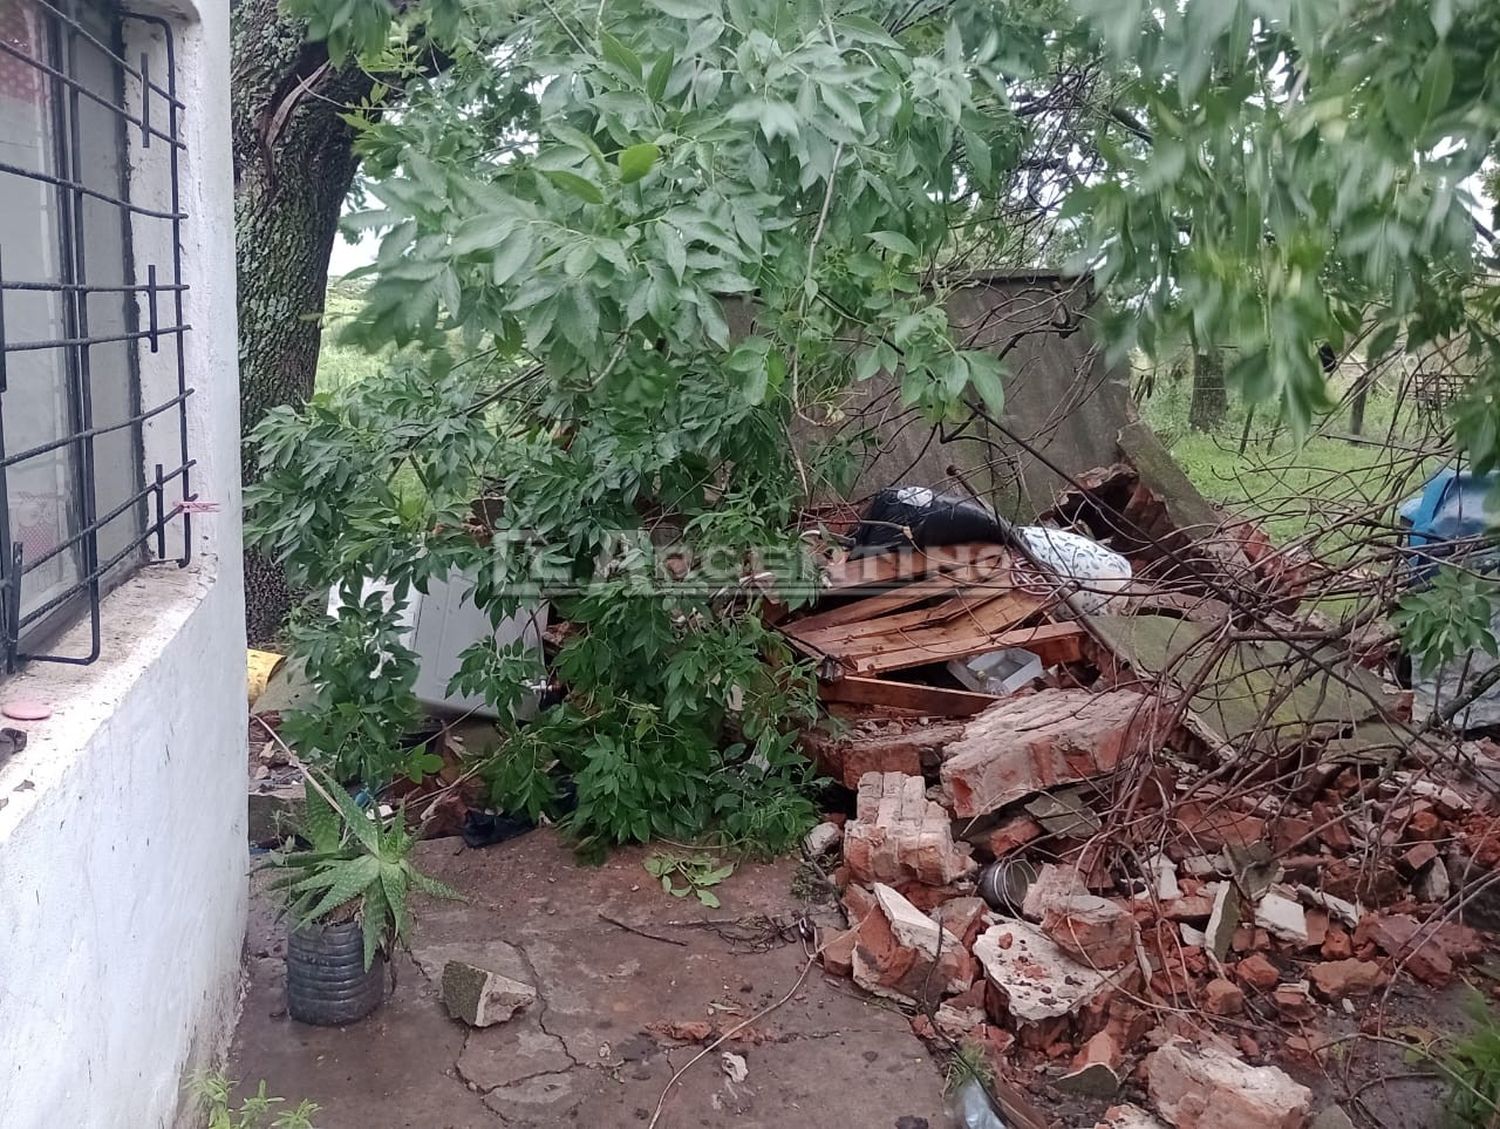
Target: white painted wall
point(122, 837)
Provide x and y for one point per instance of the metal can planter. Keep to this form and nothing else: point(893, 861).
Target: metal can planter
point(327, 983)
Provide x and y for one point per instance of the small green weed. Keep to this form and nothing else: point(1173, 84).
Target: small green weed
point(968, 1061)
point(697, 872)
point(1473, 1069)
point(215, 1094)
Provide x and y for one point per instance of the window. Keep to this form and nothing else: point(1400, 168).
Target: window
point(92, 377)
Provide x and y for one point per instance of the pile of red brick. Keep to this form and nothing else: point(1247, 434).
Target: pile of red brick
point(1173, 943)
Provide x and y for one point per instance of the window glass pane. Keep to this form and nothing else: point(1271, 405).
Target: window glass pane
point(43, 491)
point(105, 262)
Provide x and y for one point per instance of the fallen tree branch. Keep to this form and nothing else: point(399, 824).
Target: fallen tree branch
point(618, 924)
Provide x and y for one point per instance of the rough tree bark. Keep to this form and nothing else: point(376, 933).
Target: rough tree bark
point(293, 166)
point(1210, 402)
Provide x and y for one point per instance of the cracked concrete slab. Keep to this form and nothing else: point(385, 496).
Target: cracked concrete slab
point(583, 1054)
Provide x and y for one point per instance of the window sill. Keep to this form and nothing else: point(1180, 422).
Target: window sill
point(140, 619)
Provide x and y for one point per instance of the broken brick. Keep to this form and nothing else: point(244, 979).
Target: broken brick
point(1332, 831)
point(1337, 979)
point(1424, 825)
point(1035, 981)
point(858, 902)
point(1337, 945)
point(1293, 1002)
point(1011, 834)
point(1052, 883)
point(1093, 930)
point(1414, 860)
point(899, 835)
point(1211, 829)
point(1202, 1087)
point(902, 751)
point(1196, 908)
point(955, 1022)
point(838, 952)
point(903, 954)
point(1095, 1070)
point(1401, 937)
point(965, 918)
point(1128, 1116)
point(1291, 833)
point(1031, 743)
point(1220, 997)
point(1258, 972)
point(1317, 928)
point(482, 997)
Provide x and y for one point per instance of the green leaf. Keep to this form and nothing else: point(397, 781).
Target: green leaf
point(620, 55)
point(636, 161)
point(955, 375)
point(320, 823)
point(349, 881)
point(576, 185)
point(894, 241)
point(687, 9)
point(673, 249)
point(511, 256)
point(1441, 14)
point(985, 377)
point(866, 364)
point(776, 118)
point(373, 922)
point(661, 74)
point(577, 139)
point(843, 106)
point(708, 898)
point(1381, 341)
point(1437, 83)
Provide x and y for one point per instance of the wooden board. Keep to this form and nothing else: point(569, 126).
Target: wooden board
point(936, 701)
point(990, 627)
point(964, 604)
point(915, 592)
point(908, 564)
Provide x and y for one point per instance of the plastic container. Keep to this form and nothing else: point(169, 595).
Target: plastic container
point(997, 672)
point(973, 1109)
point(327, 983)
point(444, 622)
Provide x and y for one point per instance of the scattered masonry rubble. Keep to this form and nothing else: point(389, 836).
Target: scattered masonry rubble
point(1163, 873)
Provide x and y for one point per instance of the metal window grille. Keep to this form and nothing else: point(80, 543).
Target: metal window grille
point(89, 184)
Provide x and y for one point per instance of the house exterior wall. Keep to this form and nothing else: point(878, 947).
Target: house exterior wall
point(122, 823)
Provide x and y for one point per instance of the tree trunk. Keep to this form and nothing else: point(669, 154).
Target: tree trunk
point(1359, 399)
point(293, 166)
point(1210, 402)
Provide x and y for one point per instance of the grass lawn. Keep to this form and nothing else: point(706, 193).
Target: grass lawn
point(1297, 489)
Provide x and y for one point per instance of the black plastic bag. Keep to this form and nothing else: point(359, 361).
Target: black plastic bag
point(914, 515)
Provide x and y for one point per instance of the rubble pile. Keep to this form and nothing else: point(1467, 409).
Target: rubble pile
point(1157, 875)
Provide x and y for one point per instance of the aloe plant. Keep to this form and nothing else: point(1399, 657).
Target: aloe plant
point(355, 864)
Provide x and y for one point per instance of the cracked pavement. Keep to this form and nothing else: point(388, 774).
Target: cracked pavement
point(582, 1055)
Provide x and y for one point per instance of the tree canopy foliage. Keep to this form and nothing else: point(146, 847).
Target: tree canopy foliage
point(629, 247)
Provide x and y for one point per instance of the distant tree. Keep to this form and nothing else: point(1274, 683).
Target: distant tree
point(1210, 398)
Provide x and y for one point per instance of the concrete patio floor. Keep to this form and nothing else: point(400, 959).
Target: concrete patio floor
point(582, 1054)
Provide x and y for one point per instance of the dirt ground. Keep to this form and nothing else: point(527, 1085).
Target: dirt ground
point(580, 1055)
point(583, 1054)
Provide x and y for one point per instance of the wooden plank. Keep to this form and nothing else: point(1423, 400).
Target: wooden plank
point(937, 701)
point(963, 604)
point(906, 564)
point(939, 584)
point(1053, 642)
